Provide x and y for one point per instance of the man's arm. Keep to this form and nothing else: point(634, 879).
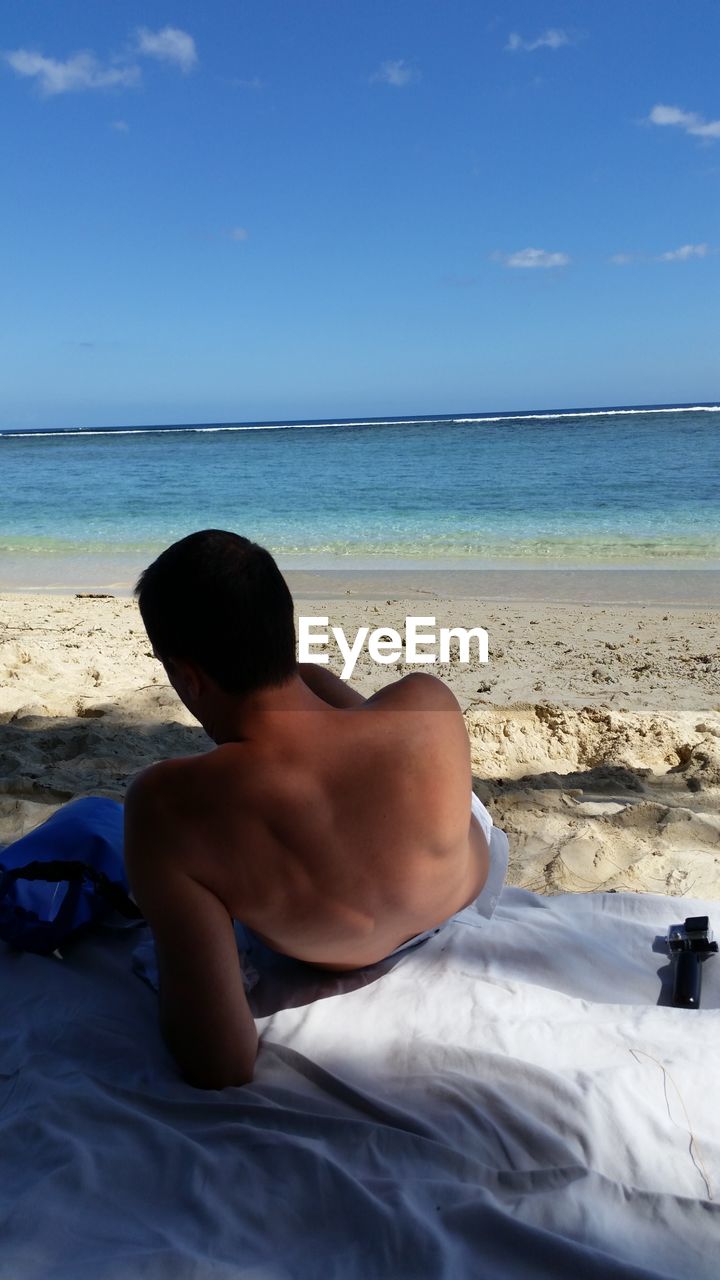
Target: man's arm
point(326, 685)
point(204, 1014)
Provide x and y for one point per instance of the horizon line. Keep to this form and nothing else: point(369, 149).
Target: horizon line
point(397, 420)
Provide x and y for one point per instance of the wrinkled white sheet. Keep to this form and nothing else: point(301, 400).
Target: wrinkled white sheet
point(502, 1102)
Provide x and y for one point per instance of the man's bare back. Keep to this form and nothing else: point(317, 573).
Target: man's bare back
point(334, 827)
point(334, 832)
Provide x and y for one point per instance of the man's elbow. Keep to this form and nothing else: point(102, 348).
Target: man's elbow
point(204, 1078)
point(226, 1068)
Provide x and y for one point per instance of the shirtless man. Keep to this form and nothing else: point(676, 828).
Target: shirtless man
point(335, 827)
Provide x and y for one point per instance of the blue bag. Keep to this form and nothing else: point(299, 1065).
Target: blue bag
point(65, 876)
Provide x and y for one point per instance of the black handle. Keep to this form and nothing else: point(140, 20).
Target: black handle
point(688, 978)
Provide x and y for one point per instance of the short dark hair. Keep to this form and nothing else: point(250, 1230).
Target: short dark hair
point(220, 600)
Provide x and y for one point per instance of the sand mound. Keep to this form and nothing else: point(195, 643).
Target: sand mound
point(537, 737)
point(593, 799)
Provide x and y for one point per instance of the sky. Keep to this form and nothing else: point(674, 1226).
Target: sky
point(317, 209)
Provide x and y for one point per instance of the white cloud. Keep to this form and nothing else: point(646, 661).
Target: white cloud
point(396, 73)
point(532, 258)
point(672, 115)
point(553, 38)
point(78, 72)
point(170, 45)
point(238, 233)
point(120, 126)
point(684, 252)
point(83, 70)
point(690, 121)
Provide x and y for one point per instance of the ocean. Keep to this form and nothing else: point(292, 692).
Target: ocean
point(594, 488)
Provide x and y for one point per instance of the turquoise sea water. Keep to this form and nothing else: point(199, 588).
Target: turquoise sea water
point(584, 489)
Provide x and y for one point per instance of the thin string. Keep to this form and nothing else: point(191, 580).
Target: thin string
point(693, 1140)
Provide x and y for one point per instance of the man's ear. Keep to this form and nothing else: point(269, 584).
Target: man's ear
point(185, 677)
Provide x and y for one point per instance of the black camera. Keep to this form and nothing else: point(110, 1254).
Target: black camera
point(689, 944)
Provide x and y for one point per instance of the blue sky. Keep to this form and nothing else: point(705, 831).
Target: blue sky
point(316, 208)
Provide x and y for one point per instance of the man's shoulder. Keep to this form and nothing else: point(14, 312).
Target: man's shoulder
point(154, 782)
point(169, 789)
point(185, 787)
point(417, 691)
point(166, 808)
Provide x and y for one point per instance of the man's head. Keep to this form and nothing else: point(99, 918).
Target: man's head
point(216, 604)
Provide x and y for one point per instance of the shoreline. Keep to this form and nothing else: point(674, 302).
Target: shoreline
point(681, 588)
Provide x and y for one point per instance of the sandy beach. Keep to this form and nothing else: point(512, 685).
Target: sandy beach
point(595, 728)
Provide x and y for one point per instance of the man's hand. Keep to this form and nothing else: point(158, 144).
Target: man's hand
point(204, 1014)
